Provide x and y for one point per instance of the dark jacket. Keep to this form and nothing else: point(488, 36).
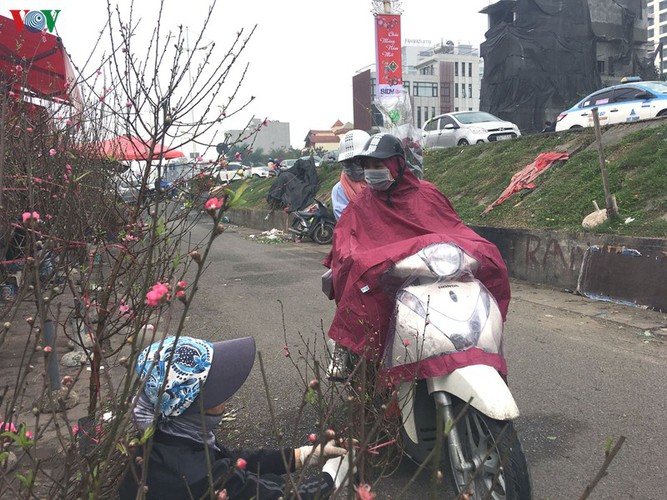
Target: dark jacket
point(177, 470)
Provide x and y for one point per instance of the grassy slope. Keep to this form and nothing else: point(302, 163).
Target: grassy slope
point(473, 177)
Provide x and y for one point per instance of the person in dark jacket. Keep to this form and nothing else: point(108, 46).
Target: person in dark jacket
point(186, 383)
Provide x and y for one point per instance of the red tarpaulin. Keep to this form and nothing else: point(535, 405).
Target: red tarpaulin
point(132, 148)
point(525, 177)
point(37, 64)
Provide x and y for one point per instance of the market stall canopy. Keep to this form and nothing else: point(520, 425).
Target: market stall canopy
point(36, 64)
point(129, 147)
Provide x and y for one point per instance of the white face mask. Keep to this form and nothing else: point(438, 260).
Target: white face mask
point(378, 178)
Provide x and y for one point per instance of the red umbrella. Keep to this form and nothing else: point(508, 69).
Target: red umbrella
point(132, 148)
point(36, 63)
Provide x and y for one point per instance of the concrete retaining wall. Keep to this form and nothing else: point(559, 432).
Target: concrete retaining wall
point(606, 267)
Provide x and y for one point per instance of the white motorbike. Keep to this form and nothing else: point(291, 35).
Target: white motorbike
point(441, 309)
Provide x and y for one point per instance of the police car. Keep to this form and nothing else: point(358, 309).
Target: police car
point(623, 103)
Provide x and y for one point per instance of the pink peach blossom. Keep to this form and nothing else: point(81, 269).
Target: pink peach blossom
point(52, 152)
point(213, 204)
point(156, 294)
point(27, 216)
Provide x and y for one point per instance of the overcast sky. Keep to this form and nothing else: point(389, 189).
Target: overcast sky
point(303, 54)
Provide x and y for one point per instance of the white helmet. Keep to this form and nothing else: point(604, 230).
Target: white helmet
point(352, 144)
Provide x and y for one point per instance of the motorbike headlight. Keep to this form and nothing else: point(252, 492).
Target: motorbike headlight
point(443, 259)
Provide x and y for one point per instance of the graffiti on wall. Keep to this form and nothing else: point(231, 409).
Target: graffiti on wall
point(547, 253)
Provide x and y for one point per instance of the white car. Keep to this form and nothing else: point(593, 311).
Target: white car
point(255, 172)
point(230, 172)
point(462, 128)
point(624, 103)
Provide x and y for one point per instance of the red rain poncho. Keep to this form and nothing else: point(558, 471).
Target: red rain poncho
point(372, 235)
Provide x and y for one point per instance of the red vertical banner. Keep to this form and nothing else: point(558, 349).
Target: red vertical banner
point(388, 55)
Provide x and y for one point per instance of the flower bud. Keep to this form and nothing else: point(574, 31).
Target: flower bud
point(196, 256)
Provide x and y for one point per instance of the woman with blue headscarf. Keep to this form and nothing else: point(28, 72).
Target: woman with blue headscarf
point(186, 382)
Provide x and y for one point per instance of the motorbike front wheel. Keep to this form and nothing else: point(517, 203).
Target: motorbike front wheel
point(323, 233)
point(491, 463)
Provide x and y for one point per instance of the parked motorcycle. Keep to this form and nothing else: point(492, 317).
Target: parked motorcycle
point(317, 222)
point(442, 309)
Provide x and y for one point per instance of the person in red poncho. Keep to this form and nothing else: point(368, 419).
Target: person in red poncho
point(395, 217)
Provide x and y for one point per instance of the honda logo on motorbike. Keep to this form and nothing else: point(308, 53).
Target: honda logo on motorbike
point(35, 21)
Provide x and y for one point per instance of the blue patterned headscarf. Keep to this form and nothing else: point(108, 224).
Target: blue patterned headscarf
point(190, 365)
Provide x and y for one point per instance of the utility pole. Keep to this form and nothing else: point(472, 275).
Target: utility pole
point(612, 208)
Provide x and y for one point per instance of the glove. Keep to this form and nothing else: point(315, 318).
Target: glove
point(309, 455)
point(339, 469)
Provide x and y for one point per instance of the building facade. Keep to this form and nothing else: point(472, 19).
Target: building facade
point(542, 57)
point(438, 78)
point(657, 32)
point(267, 136)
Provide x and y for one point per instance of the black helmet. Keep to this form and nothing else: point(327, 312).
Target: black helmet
point(383, 146)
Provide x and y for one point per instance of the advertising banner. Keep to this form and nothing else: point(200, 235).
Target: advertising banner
point(388, 55)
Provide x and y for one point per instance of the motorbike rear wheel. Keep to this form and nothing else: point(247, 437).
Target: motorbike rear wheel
point(500, 470)
point(297, 228)
point(323, 233)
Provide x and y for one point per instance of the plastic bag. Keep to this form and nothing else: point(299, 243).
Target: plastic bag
point(397, 120)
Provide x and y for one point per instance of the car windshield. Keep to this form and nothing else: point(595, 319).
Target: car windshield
point(475, 117)
point(656, 87)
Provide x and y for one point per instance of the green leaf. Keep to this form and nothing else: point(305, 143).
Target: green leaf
point(3, 456)
point(26, 480)
point(161, 228)
point(449, 424)
point(148, 433)
point(236, 195)
point(608, 444)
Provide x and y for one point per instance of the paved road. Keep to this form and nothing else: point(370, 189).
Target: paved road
point(581, 371)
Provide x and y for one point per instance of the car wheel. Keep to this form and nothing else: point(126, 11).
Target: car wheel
point(576, 127)
point(463, 142)
point(662, 113)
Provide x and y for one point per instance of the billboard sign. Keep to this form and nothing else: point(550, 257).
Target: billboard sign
point(388, 55)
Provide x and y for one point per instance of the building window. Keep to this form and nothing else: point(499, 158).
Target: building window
point(470, 70)
point(650, 33)
point(425, 89)
point(662, 5)
point(601, 67)
point(406, 86)
point(469, 109)
point(425, 114)
point(456, 108)
point(432, 110)
point(663, 17)
point(470, 90)
point(456, 69)
point(419, 117)
point(663, 29)
point(463, 90)
point(445, 92)
point(456, 90)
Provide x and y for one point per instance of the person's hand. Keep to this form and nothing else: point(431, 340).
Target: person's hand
point(317, 454)
point(339, 469)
